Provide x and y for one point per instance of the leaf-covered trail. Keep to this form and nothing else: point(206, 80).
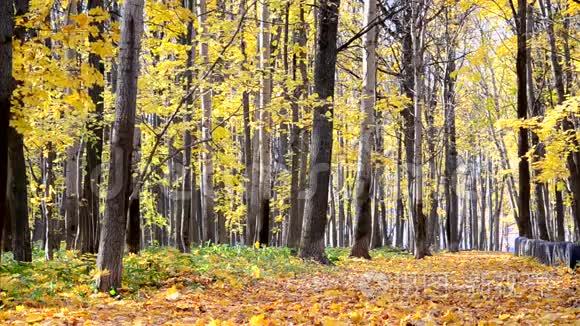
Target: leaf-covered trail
point(468, 287)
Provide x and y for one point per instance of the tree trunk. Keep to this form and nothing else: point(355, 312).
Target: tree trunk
point(299, 67)
point(379, 221)
point(536, 111)
point(399, 209)
point(49, 203)
point(407, 86)
point(496, 224)
point(473, 203)
point(483, 202)
point(419, 218)
point(376, 238)
point(489, 197)
point(573, 159)
point(133, 238)
point(16, 181)
point(333, 229)
point(71, 199)
point(523, 222)
point(6, 87)
point(71, 192)
point(452, 207)
point(340, 198)
point(188, 216)
point(254, 207)
point(198, 230)
point(316, 206)
point(264, 130)
point(89, 205)
point(363, 214)
point(112, 239)
point(207, 186)
point(433, 181)
point(18, 198)
point(560, 230)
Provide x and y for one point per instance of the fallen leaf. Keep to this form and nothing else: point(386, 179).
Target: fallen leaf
point(172, 294)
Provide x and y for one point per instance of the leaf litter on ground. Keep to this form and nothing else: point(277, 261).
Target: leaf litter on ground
point(223, 285)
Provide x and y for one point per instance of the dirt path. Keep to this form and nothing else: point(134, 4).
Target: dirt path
point(469, 287)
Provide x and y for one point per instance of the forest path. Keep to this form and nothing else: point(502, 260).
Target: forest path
point(467, 287)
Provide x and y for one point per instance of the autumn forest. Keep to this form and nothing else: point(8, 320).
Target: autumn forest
point(272, 162)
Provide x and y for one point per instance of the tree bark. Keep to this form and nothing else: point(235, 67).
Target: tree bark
point(363, 215)
point(452, 207)
point(299, 67)
point(380, 235)
point(6, 87)
point(407, 85)
point(71, 193)
point(560, 230)
point(89, 205)
point(573, 159)
point(207, 186)
point(18, 198)
point(112, 239)
point(133, 237)
point(316, 206)
point(536, 111)
point(399, 209)
point(49, 204)
point(419, 218)
point(474, 199)
point(264, 130)
point(523, 222)
point(188, 212)
point(71, 199)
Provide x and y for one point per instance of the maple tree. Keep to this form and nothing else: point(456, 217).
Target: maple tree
point(424, 125)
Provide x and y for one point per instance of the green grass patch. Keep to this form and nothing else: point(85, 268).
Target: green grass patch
point(69, 277)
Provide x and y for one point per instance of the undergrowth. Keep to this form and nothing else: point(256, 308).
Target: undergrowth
point(69, 277)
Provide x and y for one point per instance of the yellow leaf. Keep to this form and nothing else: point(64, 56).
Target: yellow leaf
point(504, 316)
point(259, 320)
point(19, 308)
point(333, 322)
point(450, 317)
point(172, 294)
point(214, 322)
point(256, 271)
point(34, 318)
point(257, 244)
point(355, 316)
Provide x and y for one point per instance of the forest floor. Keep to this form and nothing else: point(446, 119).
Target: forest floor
point(269, 286)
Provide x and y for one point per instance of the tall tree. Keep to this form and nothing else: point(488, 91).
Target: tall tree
point(265, 137)
point(316, 206)
point(6, 87)
point(535, 110)
point(188, 191)
point(298, 70)
point(451, 207)
point(112, 239)
point(399, 208)
point(418, 9)
point(133, 238)
point(207, 184)
point(49, 203)
point(71, 200)
point(523, 221)
point(573, 159)
point(17, 195)
point(89, 206)
point(362, 236)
